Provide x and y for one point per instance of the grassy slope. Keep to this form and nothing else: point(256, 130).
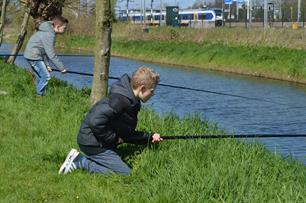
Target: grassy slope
point(35, 136)
point(172, 46)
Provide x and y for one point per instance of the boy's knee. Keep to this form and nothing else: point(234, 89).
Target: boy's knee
point(126, 172)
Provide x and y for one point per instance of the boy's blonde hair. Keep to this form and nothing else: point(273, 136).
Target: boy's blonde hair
point(144, 76)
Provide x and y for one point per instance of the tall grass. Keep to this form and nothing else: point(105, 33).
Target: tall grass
point(254, 36)
point(35, 136)
point(279, 63)
point(273, 54)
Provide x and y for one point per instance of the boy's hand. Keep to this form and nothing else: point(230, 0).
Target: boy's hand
point(156, 138)
point(49, 68)
point(120, 141)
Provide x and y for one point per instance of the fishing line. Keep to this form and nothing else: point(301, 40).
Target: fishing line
point(186, 88)
point(172, 86)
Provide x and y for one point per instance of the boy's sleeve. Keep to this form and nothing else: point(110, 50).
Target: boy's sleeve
point(45, 58)
point(139, 138)
point(48, 43)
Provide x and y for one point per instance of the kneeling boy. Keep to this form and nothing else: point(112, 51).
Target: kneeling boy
point(110, 122)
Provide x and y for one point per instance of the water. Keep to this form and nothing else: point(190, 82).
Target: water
point(284, 114)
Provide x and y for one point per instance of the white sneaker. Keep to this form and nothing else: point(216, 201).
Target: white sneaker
point(68, 165)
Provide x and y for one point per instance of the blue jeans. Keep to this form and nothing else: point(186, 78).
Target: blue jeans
point(107, 163)
point(42, 76)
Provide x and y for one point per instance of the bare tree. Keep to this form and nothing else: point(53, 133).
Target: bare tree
point(2, 20)
point(40, 10)
point(102, 50)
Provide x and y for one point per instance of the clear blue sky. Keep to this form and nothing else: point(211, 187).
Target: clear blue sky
point(156, 3)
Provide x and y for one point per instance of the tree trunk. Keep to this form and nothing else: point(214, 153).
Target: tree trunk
point(21, 36)
point(3, 14)
point(102, 50)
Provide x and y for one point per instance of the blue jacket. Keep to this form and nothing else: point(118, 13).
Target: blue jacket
point(41, 44)
point(111, 118)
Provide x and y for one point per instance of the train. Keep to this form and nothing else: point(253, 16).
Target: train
point(186, 17)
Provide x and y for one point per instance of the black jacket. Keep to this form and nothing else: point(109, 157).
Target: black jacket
point(111, 118)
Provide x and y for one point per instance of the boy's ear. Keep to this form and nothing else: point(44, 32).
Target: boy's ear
point(142, 88)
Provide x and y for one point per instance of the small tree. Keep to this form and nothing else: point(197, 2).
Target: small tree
point(102, 50)
point(21, 36)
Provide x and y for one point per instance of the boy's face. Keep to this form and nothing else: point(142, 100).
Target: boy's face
point(146, 93)
point(60, 28)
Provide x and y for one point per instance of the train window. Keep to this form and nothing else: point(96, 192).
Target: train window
point(218, 12)
point(209, 16)
point(187, 16)
point(136, 18)
point(206, 16)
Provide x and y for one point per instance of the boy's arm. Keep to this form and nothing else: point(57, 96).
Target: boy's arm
point(139, 138)
point(48, 43)
point(142, 138)
point(45, 58)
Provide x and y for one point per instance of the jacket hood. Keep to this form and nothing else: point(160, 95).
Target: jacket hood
point(46, 27)
point(123, 87)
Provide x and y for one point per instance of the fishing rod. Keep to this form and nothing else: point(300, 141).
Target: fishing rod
point(76, 55)
point(184, 88)
point(187, 137)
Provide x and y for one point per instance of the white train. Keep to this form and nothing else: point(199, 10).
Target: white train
point(186, 17)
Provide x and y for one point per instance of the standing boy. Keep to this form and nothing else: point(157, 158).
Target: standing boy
point(110, 122)
point(40, 48)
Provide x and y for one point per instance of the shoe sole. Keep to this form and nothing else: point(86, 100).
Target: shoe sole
point(68, 161)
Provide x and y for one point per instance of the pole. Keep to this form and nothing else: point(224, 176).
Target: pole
point(230, 16)
point(245, 16)
point(161, 12)
point(265, 14)
point(151, 11)
point(185, 137)
point(237, 12)
point(127, 10)
point(144, 12)
point(250, 13)
point(282, 14)
point(223, 24)
point(299, 11)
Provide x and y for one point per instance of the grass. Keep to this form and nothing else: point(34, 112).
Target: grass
point(35, 136)
point(252, 52)
point(274, 53)
point(270, 62)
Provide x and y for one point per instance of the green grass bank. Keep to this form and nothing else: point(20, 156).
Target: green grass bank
point(35, 136)
point(252, 52)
